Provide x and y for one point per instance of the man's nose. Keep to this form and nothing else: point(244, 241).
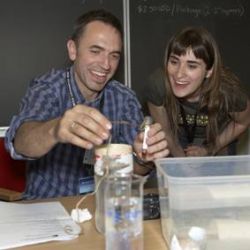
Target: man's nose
point(105, 63)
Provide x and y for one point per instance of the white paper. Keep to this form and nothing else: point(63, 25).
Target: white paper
point(3, 131)
point(26, 224)
point(80, 215)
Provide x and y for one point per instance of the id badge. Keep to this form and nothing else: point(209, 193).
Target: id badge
point(86, 184)
point(89, 157)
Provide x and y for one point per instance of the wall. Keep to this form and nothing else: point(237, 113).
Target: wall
point(33, 40)
point(153, 22)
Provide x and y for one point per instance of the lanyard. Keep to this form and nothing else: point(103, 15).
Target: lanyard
point(71, 96)
point(189, 129)
point(73, 102)
point(88, 154)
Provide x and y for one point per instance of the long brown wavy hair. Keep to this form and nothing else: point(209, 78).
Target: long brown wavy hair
point(216, 91)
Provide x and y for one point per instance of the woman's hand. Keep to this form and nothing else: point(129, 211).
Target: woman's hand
point(195, 150)
point(157, 146)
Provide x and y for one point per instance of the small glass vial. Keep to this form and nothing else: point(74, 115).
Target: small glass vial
point(145, 126)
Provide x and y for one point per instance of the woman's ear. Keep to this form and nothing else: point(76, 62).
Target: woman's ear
point(209, 73)
point(71, 46)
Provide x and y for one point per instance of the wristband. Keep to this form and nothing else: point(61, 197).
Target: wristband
point(141, 162)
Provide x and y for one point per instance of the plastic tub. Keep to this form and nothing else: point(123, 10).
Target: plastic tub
point(205, 202)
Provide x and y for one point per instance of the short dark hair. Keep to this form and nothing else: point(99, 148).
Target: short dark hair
point(95, 15)
point(200, 41)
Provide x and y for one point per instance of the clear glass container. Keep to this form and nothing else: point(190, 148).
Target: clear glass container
point(110, 159)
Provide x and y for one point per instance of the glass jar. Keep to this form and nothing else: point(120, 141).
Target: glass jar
point(110, 159)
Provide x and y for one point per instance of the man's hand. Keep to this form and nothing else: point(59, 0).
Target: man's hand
point(82, 126)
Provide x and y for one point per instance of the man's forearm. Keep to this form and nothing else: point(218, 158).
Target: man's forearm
point(34, 139)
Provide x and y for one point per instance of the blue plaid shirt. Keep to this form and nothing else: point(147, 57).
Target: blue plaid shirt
point(58, 172)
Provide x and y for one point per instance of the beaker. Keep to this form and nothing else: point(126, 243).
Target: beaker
point(124, 212)
point(110, 159)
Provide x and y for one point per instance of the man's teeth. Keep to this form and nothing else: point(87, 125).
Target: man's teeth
point(98, 73)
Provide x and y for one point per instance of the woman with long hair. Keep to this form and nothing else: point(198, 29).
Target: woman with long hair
point(205, 109)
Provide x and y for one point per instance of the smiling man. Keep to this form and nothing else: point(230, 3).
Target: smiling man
point(66, 113)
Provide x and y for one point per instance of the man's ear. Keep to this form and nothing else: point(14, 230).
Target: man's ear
point(71, 46)
point(209, 73)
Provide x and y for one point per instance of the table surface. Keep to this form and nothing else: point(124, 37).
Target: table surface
point(91, 239)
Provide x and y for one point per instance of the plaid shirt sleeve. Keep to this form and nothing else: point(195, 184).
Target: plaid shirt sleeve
point(39, 103)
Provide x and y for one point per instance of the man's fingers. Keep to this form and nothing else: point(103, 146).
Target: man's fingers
point(93, 121)
point(86, 134)
point(95, 115)
point(80, 142)
point(83, 126)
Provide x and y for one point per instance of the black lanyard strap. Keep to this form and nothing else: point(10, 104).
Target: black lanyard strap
point(70, 88)
point(72, 98)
